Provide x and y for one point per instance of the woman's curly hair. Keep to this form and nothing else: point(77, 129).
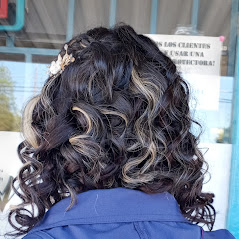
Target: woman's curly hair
point(118, 116)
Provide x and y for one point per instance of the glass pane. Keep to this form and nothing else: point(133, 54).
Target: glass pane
point(25, 54)
point(136, 13)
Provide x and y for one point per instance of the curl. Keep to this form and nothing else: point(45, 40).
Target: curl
point(118, 116)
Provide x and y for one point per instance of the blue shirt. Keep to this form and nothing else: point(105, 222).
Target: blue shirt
point(120, 213)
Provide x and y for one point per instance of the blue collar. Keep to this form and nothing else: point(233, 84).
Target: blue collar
point(111, 206)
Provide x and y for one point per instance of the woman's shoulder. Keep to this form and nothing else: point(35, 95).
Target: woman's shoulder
point(218, 234)
point(38, 235)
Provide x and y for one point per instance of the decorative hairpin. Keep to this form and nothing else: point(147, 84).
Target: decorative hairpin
point(58, 66)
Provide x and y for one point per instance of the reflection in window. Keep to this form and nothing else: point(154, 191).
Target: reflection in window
point(9, 116)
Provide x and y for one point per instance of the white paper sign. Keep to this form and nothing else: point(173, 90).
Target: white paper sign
point(191, 54)
point(198, 59)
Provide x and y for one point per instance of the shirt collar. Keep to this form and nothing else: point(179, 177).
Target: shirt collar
point(113, 205)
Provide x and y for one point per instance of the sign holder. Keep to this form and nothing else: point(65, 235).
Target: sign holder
point(20, 15)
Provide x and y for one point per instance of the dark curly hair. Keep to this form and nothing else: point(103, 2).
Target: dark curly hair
point(118, 116)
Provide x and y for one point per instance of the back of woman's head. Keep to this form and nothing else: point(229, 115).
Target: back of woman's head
point(118, 116)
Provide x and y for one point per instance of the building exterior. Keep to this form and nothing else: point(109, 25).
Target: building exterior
point(33, 31)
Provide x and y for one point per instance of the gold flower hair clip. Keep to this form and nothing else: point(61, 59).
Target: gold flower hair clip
point(58, 66)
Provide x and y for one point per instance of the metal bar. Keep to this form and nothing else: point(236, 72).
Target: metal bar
point(10, 40)
point(26, 50)
point(154, 16)
point(70, 19)
point(20, 15)
point(28, 58)
point(233, 38)
point(194, 17)
point(233, 207)
point(28, 74)
point(113, 8)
